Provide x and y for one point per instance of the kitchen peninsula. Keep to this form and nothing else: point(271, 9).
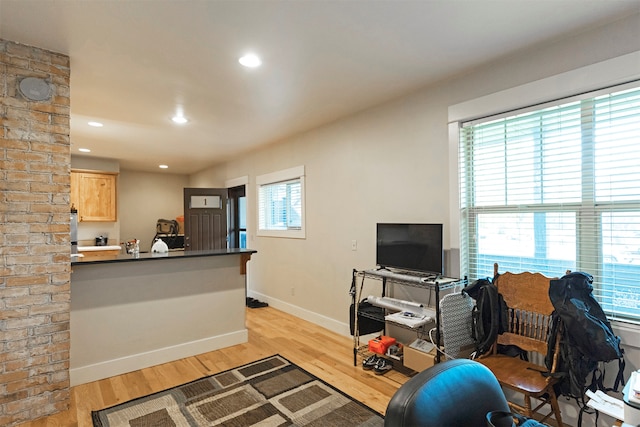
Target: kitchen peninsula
point(131, 312)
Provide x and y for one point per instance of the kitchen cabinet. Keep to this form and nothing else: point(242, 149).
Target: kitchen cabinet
point(94, 195)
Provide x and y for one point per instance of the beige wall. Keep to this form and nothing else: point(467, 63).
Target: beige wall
point(34, 236)
point(390, 163)
point(145, 197)
point(132, 315)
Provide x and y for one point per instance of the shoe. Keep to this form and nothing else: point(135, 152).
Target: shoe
point(370, 362)
point(383, 366)
point(257, 304)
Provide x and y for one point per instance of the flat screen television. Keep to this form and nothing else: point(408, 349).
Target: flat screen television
point(410, 247)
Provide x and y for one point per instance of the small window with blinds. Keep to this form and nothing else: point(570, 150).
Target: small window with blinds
point(554, 188)
point(281, 203)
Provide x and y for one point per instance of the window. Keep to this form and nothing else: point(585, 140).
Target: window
point(281, 203)
point(554, 188)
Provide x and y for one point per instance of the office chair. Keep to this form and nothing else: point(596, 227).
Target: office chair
point(167, 229)
point(458, 392)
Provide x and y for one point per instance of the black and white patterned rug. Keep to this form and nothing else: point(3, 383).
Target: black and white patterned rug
point(268, 392)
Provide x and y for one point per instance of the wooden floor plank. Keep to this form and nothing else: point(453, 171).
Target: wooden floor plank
point(323, 353)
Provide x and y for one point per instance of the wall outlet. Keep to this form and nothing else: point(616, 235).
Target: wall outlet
point(354, 245)
point(293, 291)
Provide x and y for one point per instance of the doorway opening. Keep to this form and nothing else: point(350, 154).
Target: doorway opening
point(237, 211)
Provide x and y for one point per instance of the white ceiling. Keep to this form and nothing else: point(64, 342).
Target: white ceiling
point(133, 63)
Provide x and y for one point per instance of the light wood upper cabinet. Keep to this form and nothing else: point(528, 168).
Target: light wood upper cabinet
point(94, 195)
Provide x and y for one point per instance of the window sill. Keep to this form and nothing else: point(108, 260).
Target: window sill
point(629, 333)
point(287, 234)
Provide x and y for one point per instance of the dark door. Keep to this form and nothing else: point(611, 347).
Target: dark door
point(205, 218)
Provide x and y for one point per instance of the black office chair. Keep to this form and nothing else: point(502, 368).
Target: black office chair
point(457, 392)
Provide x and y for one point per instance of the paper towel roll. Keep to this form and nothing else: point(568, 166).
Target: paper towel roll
point(395, 304)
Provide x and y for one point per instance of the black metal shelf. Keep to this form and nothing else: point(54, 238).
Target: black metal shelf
point(426, 281)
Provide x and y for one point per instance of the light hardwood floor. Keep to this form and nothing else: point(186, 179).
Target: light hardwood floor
point(325, 354)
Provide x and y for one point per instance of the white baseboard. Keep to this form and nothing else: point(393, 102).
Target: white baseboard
point(109, 368)
point(326, 322)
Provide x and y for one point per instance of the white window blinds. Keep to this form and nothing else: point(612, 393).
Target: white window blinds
point(556, 188)
point(281, 203)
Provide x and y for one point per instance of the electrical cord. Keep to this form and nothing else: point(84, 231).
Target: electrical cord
point(448, 356)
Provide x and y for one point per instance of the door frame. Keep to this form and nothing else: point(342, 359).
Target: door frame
point(233, 215)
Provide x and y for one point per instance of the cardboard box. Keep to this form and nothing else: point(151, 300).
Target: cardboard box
point(418, 360)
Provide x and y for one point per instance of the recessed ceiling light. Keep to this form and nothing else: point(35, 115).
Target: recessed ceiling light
point(179, 120)
point(95, 124)
point(163, 167)
point(84, 150)
point(250, 60)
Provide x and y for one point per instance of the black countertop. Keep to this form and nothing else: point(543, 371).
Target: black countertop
point(161, 256)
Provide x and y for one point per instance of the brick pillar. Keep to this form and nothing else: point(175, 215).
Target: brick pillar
point(34, 236)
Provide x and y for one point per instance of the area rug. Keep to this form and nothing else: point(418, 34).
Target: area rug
point(268, 392)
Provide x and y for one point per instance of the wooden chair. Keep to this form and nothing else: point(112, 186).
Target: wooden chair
point(529, 307)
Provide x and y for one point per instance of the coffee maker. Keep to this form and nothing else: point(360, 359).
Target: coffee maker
point(73, 226)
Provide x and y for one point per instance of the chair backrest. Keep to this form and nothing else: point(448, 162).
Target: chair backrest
point(529, 310)
point(167, 226)
point(456, 322)
point(458, 392)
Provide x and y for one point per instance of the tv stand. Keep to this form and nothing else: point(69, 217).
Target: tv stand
point(427, 281)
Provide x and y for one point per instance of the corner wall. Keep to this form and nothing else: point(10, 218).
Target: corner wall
point(34, 234)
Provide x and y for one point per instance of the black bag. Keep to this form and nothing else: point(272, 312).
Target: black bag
point(489, 316)
point(573, 367)
point(586, 341)
point(584, 320)
point(370, 318)
point(367, 324)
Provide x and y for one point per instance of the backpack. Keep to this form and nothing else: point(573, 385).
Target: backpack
point(587, 338)
point(489, 315)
